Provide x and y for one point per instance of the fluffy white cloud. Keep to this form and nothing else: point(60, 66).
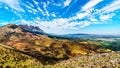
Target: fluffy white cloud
point(6, 8)
point(115, 5)
point(83, 14)
point(36, 2)
point(92, 19)
point(85, 23)
point(53, 14)
point(45, 8)
point(67, 2)
point(14, 4)
point(57, 25)
point(106, 17)
point(91, 4)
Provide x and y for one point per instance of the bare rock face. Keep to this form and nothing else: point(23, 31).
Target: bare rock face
point(33, 29)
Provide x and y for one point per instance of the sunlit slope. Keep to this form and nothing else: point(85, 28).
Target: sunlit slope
point(106, 60)
point(11, 58)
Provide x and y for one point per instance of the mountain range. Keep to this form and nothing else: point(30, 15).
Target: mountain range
point(43, 47)
point(21, 38)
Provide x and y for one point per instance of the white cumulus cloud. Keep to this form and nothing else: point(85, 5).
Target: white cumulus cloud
point(91, 4)
point(115, 5)
point(106, 17)
point(67, 2)
point(14, 4)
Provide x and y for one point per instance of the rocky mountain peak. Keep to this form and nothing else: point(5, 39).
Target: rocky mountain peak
point(30, 28)
point(12, 26)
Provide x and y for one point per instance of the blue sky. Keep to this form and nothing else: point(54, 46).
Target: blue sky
point(64, 16)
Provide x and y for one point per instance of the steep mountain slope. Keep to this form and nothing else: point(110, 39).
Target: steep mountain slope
point(13, 59)
point(105, 60)
point(41, 47)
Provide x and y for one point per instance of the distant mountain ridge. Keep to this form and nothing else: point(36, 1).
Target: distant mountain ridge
point(33, 29)
point(37, 30)
point(83, 35)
